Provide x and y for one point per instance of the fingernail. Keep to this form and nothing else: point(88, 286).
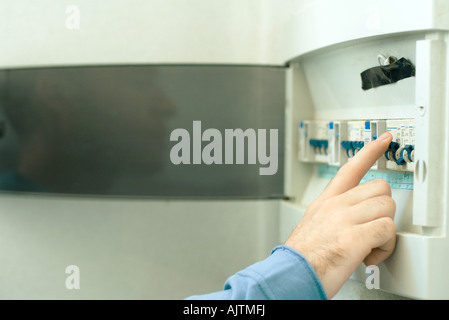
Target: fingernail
point(384, 136)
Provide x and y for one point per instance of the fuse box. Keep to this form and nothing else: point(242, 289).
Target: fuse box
point(408, 97)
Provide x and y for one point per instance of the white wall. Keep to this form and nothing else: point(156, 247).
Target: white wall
point(128, 248)
point(35, 33)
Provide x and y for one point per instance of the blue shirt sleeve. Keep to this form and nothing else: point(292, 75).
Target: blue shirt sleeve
point(284, 275)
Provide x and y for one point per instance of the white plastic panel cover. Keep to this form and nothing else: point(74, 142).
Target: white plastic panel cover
point(324, 85)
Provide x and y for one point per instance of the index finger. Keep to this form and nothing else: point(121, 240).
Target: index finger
point(353, 171)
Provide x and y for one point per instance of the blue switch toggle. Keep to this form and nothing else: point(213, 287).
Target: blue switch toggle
point(352, 146)
point(358, 144)
point(367, 125)
point(405, 155)
point(409, 149)
point(348, 146)
point(320, 144)
point(390, 154)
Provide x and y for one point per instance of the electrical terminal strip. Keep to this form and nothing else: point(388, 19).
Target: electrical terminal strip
point(336, 142)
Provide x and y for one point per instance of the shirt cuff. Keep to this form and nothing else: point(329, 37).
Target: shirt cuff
point(284, 275)
point(290, 276)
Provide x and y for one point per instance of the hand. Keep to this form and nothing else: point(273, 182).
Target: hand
point(348, 223)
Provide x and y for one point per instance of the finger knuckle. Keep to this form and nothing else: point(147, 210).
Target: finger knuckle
point(391, 204)
point(386, 203)
point(382, 203)
point(382, 185)
point(388, 226)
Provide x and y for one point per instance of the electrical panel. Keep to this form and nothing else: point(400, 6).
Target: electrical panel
point(349, 83)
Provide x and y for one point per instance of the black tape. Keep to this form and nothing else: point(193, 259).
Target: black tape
point(380, 76)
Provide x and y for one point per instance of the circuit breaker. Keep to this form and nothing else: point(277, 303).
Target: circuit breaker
point(336, 142)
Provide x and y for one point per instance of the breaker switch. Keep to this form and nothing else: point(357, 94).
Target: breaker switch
point(390, 154)
point(405, 154)
point(352, 147)
point(319, 146)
